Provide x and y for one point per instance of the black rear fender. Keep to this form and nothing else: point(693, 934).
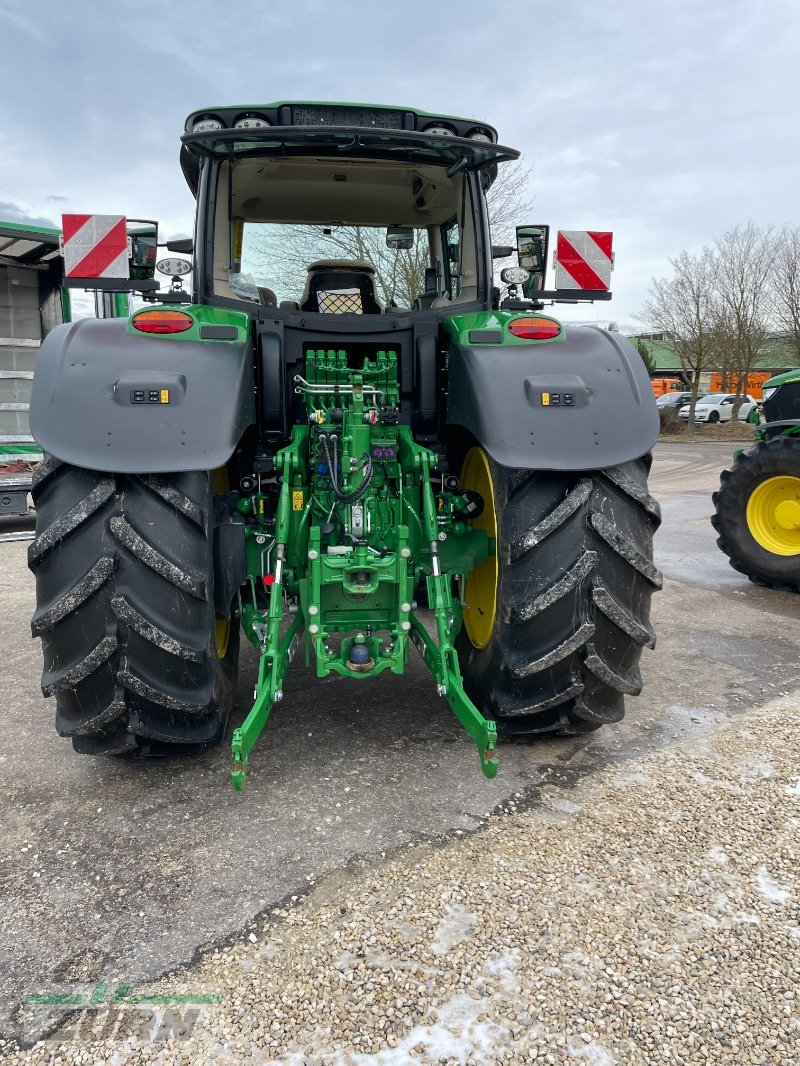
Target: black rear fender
point(97, 398)
point(581, 403)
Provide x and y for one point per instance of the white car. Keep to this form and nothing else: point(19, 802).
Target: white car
point(718, 407)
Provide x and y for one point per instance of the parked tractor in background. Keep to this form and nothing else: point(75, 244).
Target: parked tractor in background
point(758, 503)
point(342, 423)
point(32, 301)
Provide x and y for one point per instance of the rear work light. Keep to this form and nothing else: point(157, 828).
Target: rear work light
point(250, 122)
point(162, 321)
point(534, 329)
point(207, 125)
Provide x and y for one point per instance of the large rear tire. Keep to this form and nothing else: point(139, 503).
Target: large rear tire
point(574, 577)
point(758, 513)
point(133, 651)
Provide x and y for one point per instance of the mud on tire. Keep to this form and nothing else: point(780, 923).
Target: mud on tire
point(124, 607)
point(575, 578)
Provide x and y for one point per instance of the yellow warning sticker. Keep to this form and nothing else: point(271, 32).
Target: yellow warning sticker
point(545, 399)
point(165, 395)
point(297, 500)
point(238, 234)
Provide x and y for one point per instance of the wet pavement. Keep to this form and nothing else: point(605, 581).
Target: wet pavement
point(113, 870)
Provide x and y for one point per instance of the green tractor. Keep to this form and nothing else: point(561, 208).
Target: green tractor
point(345, 440)
point(758, 503)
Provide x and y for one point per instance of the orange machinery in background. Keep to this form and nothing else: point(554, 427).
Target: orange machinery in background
point(728, 383)
point(661, 386)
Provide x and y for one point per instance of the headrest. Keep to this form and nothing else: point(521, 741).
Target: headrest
point(341, 264)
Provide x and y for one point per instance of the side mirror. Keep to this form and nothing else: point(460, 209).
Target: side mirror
point(143, 237)
point(532, 245)
point(399, 238)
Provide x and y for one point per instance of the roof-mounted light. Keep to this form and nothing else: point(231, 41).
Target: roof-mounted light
point(480, 134)
point(250, 122)
point(439, 131)
point(534, 328)
point(207, 124)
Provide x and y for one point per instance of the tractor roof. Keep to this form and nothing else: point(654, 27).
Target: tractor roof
point(308, 128)
point(332, 113)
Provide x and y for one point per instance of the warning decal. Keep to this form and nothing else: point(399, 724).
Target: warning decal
point(95, 246)
point(584, 259)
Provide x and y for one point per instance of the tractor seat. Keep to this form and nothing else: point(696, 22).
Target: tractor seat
point(341, 286)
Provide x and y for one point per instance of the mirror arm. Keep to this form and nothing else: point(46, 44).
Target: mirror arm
point(143, 285)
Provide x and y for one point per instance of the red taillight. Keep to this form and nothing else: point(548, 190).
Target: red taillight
point(162, 321)
point(534, 329)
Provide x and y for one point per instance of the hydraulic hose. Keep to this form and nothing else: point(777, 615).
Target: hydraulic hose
point(358, 492)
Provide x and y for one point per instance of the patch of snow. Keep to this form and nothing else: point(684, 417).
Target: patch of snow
point(455, 927)
point(770, 888)
point(758, 771)
point(793, 790)
point(719, 856)
point(716, 782)
point(457, 1036)
point(560, 804)
point(632, 777)
point(502, 969)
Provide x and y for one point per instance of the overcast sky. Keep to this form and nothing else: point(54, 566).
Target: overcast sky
point(665, 122)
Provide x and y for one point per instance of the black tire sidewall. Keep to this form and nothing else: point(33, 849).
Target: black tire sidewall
point(775, 458)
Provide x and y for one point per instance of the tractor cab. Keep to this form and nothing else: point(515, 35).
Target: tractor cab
point(309, 210)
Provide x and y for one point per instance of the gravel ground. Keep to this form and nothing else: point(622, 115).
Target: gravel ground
point(649, 915)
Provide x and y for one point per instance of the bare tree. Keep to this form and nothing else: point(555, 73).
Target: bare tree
point(744, 265)
point(721, 343)
point(509, 200)
point(286, 254)
point(683, 307)
point(400, 275)
point(509, 203)
point(784, 295)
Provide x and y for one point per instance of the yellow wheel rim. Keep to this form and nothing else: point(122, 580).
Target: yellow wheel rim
point(773, 515)
point(223, 636)
point(480, 587)
point(221, 484)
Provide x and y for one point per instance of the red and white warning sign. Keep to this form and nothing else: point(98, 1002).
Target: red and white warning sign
point(584, 259)
point(95, 246)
